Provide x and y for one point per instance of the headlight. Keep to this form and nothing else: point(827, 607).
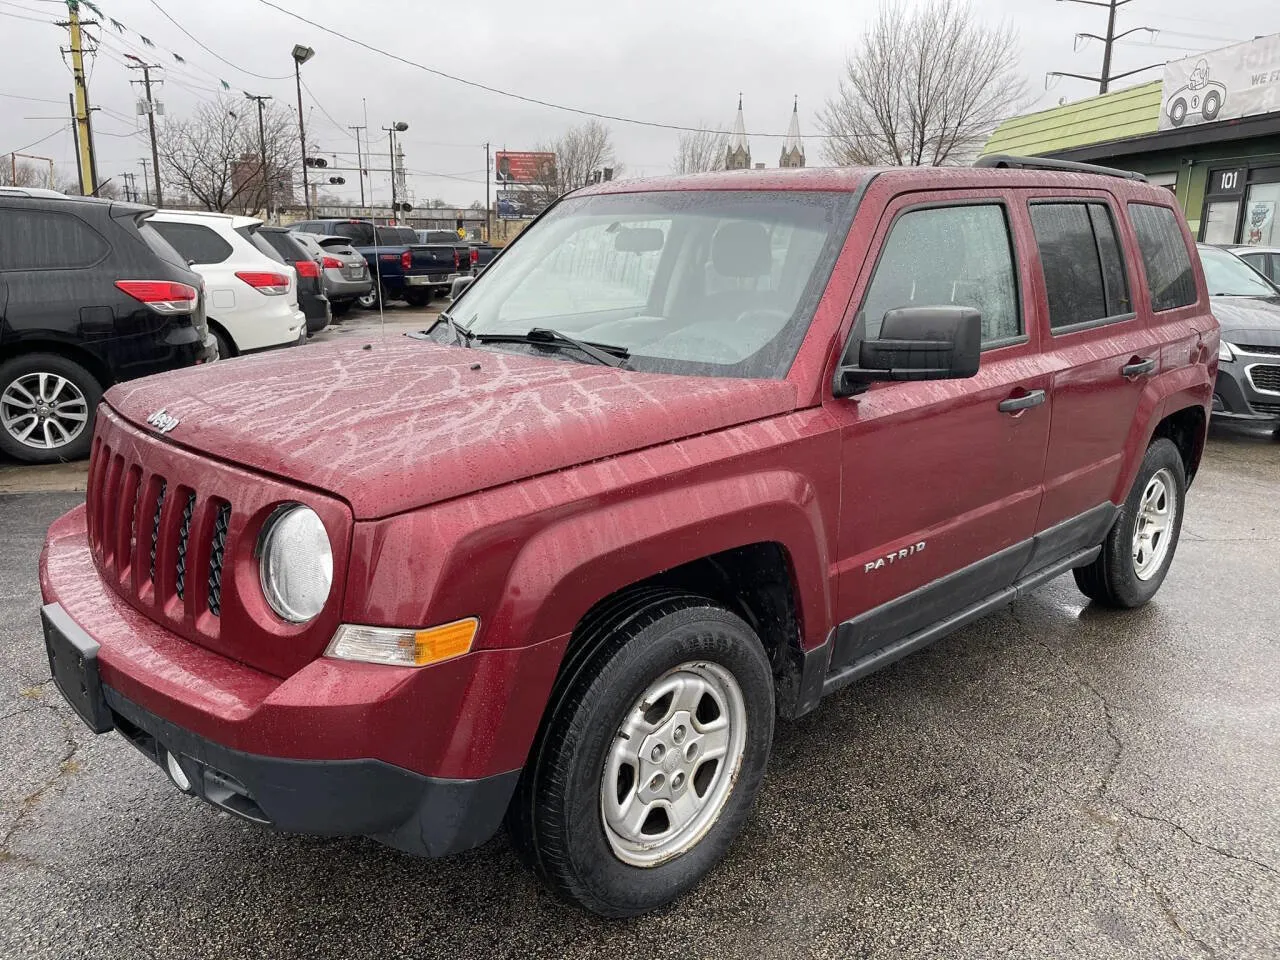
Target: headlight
point(296, 563)
point(1225, 353)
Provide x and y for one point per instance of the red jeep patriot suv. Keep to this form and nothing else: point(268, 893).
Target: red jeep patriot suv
point(690, 455)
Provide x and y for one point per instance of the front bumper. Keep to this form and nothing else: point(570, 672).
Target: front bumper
point(1235, 397)
point(422, 759)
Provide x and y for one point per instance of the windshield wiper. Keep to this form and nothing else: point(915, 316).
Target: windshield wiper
point(603, 353)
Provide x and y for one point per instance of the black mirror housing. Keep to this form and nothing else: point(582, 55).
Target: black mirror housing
point(917, 343)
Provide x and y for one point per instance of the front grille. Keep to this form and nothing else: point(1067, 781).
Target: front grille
point(1255, 348)
point(221, 521)
point(184, 535)
point(155, 528)
point(1265, 377)
point(1272, 409)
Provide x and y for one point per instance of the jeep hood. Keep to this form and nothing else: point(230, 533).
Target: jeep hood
point(404, 423)
point(1251, 320)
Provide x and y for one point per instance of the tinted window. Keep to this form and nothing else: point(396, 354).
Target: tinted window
point(159, 245)
point(284, 244)
point(43, 240)
point(254, 237)
point(394, 236)
point(1170, 279)
point(948, 255)
point(1084, 276)
point(194, 241)
point(361, 233)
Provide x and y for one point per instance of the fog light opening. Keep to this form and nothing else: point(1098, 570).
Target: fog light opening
point(176, 773)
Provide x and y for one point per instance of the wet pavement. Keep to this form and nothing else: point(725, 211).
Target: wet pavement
point(1052, 781)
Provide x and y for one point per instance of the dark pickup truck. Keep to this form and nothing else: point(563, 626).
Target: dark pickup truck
point(405, 269)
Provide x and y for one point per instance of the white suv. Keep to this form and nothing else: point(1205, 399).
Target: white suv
point(252, 294)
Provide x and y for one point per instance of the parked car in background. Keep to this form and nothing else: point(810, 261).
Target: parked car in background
point(90, 296)
point(1266, 260)
point(1247, 306)
point(343, 271)
point(306, 264)
point(403, 268)
point(667, 471)
point(251, 295)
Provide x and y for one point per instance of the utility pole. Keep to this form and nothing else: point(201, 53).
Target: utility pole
point(128, 185)
point(146, 181)
point(146, 69)
point(262, 144)
point(359, 163)
point(85, 158)
point(75, 139)
point(487, 217)
point(1104, 80)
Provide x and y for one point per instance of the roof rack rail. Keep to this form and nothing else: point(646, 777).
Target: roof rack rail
point(1004, 161)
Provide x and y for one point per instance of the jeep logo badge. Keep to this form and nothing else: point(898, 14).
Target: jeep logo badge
point(162, 421)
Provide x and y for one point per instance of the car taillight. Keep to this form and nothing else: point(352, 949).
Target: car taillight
point(332, 263)
point(475, 256)
point(272, 284)
point(457, 261)
point(162, 296)
point(406, 260)
point(307, 268)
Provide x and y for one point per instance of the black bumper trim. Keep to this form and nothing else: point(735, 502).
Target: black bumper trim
point(424, 816)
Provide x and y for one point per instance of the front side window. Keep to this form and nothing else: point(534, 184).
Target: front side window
point(44, 240)
point(1084, 275)
point(1170, 279)
point(196, 242)
point(939, 256)
point(1226, 275)
point(715, 283)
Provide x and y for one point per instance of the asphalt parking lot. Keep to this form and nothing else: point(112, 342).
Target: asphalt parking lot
point(1053, 781)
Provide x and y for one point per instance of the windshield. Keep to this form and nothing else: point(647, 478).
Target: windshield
point(720, 283)
point(1228, 276)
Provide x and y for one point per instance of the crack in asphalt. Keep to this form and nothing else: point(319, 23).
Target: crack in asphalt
point(66, 766)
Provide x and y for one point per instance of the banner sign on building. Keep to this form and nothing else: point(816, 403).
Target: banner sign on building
point(1236, 81)
point(524, 167)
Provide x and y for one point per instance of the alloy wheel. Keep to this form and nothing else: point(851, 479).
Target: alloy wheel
point(43, 411)
point(1153, 528)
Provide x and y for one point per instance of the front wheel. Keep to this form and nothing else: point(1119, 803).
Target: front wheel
point(655, 743)
point(47, 404)
point(1139, 549)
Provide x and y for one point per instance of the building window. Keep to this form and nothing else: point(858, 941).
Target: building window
point(1260, 211)
point(1167, 180)
point(1221, 217)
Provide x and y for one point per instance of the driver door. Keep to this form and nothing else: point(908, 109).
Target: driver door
point(941, 480)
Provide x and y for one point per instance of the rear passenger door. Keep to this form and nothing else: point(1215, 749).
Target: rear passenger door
point(1102, 354)
point(941, 480)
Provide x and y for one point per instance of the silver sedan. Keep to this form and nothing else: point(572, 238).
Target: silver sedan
point(344, 272)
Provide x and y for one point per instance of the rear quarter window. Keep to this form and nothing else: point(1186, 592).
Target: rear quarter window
point(36, 239)
point(259, 242)
point(194, 241)
point(161, 247)
point(1171, 281)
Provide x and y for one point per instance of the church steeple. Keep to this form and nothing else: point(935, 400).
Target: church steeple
point(793, 146)
point(738, 154)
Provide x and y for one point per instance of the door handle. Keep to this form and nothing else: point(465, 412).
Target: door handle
point(1032, 398)
point(1138, 368)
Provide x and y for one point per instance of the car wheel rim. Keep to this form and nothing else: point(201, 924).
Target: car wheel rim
point(1153, 531)
point(43, 411)
point(368, 300)
point(673, 763)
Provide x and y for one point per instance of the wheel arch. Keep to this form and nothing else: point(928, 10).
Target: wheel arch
point(215, 324)
point(74, 352)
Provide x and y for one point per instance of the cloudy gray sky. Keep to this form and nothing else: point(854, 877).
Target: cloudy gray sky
point(673, 61)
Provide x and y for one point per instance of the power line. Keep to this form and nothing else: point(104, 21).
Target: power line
point(505, 93)
point(18, 16)
point(214, 53)
point(18, 96)
point(316, 101)
point(35, 143)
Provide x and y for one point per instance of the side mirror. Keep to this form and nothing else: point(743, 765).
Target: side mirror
point(917, 343)
point(460, 284)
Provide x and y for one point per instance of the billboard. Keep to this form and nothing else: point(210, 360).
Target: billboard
point(524, 167)
point(1236, 81)
point(521, 204)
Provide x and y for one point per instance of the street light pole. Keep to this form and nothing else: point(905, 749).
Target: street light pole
point(301, 55)
point(262, 143)
point(398, 127)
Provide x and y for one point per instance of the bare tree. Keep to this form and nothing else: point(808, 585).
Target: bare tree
point(215, 156)
point(924, 86)
point(23, 173)
point(476, 205)
point(700, 152)
point(580, 152)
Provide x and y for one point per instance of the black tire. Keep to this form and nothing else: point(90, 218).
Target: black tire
point(623, 648)
point(1178, 112)
point(371, 300)
point(417, 298)
point(1112, 579)
point(12, 422)
point(226, 349)
point(340, 308)
point(1212, 104)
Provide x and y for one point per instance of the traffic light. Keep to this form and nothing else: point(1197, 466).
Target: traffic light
point(404, 207)
point(316, 162)
point(338, 181)
point(608, 173)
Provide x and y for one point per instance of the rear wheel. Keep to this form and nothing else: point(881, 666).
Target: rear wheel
point(417, 298)
point(368, 301)
point(226, 349)
point(340, 308)
point(1137, 553)
point(47, 404)
point(650, 755)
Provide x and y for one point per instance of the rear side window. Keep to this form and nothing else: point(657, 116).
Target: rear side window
point(941, 256)
point(1084, 273)
point(259, 242)
point(360, 233)
point(161, 247)
point(196, 242)
point(284, 244)
point(1170, 279)
point(44, 240)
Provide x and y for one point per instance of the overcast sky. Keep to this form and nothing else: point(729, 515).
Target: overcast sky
point(673, 61)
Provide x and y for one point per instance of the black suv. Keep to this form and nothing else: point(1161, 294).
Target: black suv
point(90, 295)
